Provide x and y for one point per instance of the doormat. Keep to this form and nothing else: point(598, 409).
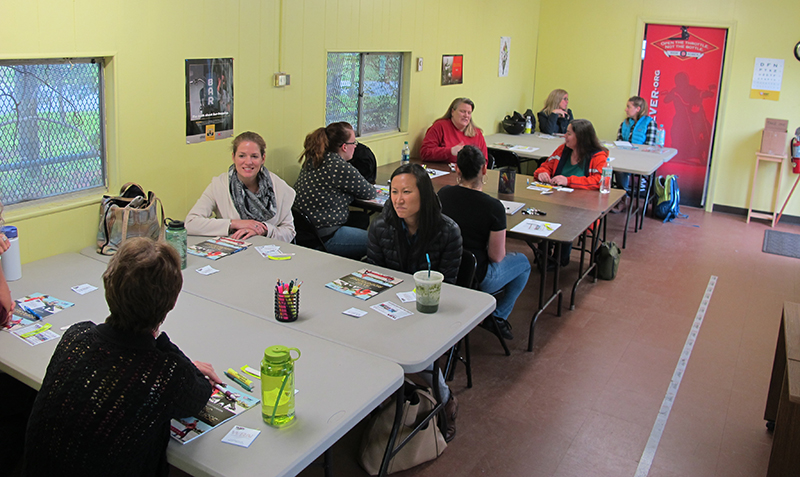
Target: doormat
point(781, 243)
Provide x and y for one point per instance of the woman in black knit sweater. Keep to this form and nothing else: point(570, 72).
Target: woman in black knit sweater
point(111, 389)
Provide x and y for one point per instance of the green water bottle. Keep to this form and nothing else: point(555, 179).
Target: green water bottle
point(277, 385)
point(176, 236)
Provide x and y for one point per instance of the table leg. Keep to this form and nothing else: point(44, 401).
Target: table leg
point(543, 304)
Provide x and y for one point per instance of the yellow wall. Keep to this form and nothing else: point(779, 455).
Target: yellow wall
point(592, 51)
point(148, 41)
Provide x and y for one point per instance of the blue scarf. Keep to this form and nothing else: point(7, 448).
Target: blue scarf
point(639, 134)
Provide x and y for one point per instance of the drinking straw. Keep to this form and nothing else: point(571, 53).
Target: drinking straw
point(278, 399)
point(428, 257)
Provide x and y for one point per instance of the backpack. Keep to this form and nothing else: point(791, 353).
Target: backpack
point(607, 258)
point(668, 199)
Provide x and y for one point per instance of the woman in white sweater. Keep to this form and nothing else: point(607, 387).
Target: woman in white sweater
point(247, 200)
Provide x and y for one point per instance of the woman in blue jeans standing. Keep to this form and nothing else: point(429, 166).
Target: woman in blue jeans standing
point(482, 220)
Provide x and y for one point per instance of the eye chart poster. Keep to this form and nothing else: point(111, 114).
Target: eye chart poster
point(767, 77)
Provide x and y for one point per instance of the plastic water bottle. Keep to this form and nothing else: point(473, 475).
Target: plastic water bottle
point(405, 157)
point(528, 125)
point(605, 182)
point(277, 385)
point(176, 236)
point(12, 265)
point(661, 135)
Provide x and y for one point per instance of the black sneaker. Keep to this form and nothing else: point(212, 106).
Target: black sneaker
point(504, 325)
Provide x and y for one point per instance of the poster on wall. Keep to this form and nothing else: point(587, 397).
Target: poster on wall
point(767, 79)
point(681, 71)
point(209, 99)
point(452, 72)
point(505, 50)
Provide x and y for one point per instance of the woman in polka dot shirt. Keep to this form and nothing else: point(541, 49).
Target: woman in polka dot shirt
point(328, 184)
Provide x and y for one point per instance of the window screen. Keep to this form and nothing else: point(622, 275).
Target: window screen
point(364, 90)
point(51, 128)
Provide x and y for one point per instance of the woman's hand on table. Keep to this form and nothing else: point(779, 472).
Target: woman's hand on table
point(544, 177)
point(560, 181)
point(208, 371)
point(247, 228)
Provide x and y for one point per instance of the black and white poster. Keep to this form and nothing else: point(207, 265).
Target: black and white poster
point(209, 99)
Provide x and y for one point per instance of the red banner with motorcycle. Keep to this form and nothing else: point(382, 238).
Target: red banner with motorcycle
point(680, 78)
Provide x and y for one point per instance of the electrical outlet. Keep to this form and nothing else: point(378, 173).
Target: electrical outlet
point(419, 64)
point(281, 79)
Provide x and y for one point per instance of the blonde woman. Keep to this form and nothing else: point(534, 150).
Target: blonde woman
point(556, 116)
point(451, 132)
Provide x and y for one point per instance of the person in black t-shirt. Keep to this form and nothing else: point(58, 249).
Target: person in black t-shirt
point(482, 220)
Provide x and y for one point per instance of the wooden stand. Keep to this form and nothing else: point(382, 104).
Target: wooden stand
point(783, 398)
point(760, 156)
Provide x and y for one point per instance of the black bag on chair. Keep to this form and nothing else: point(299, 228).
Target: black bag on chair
point(607, 258)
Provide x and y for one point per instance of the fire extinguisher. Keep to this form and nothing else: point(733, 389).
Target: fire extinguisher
point(796, 152)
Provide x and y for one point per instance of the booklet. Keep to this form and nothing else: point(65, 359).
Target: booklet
point(218, 410)
point(382, 194)
point(535, 227)
point(32, 308)
point(217, 247)
point(363, 284)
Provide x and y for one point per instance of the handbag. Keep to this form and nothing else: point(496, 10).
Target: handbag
point(130, 214)
point(427, 444)
point(608, 255)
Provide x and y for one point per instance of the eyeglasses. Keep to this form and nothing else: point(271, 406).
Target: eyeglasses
point(354, 143)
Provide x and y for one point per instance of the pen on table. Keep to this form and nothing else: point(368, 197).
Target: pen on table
point(224, 391)
point(30, 310)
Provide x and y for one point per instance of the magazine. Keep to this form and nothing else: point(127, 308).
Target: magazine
point(219, 409)
point(217, 247)
point(363, 284)
point(32, 308)
point(382, 194)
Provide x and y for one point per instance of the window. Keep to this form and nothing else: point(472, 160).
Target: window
point(51, 128)
point(364, 90)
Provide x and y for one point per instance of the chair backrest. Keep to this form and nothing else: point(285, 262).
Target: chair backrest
point(364, 160)
point(306, 233)
point(505, 158)
point(467, 270)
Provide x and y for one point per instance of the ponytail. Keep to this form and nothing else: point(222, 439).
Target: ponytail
point(314, 148)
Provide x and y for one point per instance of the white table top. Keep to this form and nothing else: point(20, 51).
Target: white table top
point(634, 161)
point(210, 332)
point(246, 282)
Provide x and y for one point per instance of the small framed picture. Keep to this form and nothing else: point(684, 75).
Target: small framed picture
point(452, 69)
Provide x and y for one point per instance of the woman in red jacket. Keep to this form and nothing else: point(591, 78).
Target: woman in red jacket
point(451, 132)
point(578, 163)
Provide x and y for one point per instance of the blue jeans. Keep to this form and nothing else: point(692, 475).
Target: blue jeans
point(511, 275)
point(348, 242)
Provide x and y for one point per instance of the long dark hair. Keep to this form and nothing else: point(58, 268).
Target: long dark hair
point(322, 140)
point(587, 143)
point(429, 220)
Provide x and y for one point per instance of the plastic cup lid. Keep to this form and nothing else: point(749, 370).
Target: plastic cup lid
point(10, 231)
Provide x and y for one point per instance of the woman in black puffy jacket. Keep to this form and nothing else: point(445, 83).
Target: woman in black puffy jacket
point(412, 225)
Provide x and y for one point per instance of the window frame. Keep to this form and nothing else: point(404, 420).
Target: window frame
point(103, 118)
point(361, 71)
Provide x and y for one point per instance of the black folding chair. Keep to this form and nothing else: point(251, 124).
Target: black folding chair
point(504, 158)
point(305, 233)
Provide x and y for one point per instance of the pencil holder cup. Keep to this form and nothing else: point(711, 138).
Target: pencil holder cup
point(287, 306)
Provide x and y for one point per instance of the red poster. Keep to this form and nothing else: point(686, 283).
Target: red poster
point(680, 79)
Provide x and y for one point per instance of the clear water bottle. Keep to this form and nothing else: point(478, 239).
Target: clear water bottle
point(176, 236)
point(528, 125)
point(661, 135)
point(11, 260)
point(405, 158)
point(605, 182)
point(277, 385)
